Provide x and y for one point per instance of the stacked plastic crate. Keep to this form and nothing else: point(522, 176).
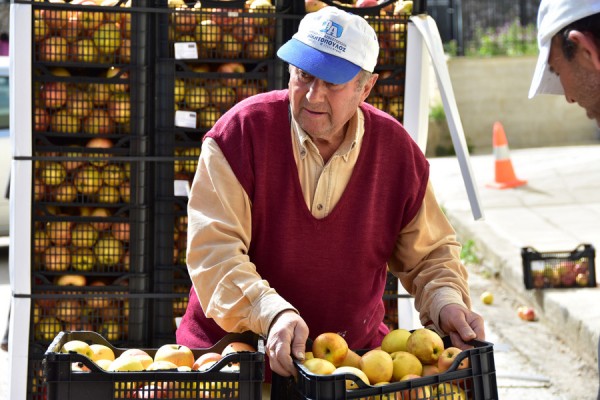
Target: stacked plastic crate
point(79, 142)
point(209, 58)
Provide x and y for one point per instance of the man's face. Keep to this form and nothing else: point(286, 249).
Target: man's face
point(322, 109)
point(580, 78)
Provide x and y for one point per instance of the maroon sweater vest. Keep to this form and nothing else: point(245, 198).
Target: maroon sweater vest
point(333, 270)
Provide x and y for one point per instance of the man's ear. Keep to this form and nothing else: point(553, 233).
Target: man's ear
point(587, 43)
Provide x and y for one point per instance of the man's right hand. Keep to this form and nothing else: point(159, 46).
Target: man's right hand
point(287, 339)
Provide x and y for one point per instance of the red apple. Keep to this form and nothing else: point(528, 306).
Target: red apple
point(526, 313)
point(232, 68)
point(447, 358)
point(330, 346)
point(205, 358)
point(54, 94)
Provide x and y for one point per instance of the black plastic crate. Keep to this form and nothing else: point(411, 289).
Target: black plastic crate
point(63, 384)
point(476, 382)
point(559, 269)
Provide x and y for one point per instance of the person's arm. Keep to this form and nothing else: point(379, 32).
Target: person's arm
point(229, 288)
point(427, 262)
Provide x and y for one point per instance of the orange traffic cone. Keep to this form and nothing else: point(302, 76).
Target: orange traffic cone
point(505, 175)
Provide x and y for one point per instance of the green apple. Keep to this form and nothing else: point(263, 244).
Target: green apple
point(77, 346)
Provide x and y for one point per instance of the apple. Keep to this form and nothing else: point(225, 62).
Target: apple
point(47, 328)
point(207, 117)
point(395, 340)
point(330, 346)
point(65, 193)
point(487, 297)
point(582, 279)
point(233, 68)
point(319, 366)
point(403, 7)
point(117, 74)
point(430, 369)
point(423, 392)
point(57, 258)
point(205, 358)
point(125, 50)
point(68, 310)
point(87, 180)
point(108, 251)
point(351, 384)
point(352, 358)
point(447, 358)
point(526, 313)
point(40, 30)
point(313, 5)
point(426, 344)
point(179, 355)
point(100, 301)
point(108, 194)
point(243, 31)
point(79, 104)
point(107, 37)
point(223, 97)
point(84, 50)
point(405, 363)
point(120, 231)
point(127, 363)
point(41, 119)
point(104, 364)
point(99, 93)
point(196, 97)
point(101, 352)
point(83, 259)
point(378, 365)
point(98, 122)
point(449, 391)
point(140, 354)
point(388, 84)
point(179, 90)
point(183, 19)
point(262, 7)
point(77, 346)
point(235, 347)
point(53, 49)
point(208, 34)
point(112, 331)
point(101, 214)
point(259, 48)
point(119, 107)
point(160, 365)
point(64, 122)
point(246, 90)
point(40, 242)
point(125, 191)
point(54, 94)
point(83, 235)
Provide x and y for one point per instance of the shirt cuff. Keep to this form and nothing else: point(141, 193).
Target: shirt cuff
point(442, 297)
point(267, 309)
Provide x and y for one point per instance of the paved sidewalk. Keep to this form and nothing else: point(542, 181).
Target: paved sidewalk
point(558, 209)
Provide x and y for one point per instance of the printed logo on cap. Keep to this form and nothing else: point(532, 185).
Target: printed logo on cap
point(331, 31)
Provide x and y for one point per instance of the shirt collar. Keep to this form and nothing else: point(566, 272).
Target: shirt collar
point(354, 134)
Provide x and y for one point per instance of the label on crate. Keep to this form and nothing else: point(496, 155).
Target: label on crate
point(181, 188)
point(185, 119)
point(186, 51)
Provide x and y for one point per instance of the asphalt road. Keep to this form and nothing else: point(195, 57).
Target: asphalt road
point(532, 361)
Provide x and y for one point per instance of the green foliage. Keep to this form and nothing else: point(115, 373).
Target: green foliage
point(510, 40)
point(437, 113)
point(468, 254)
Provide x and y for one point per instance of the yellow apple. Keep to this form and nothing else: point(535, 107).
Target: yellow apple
point(330, 346)
point(101, 352)
point(79, 347)
point(104, 364)
point(449, 391)
point(352, 359)
point(140, 354)
point(429, 370)
point(160, 365)
point(385, 396)
point(319, 366)
point(308, 355)
point(350, 384)
point(377, 365)
point(487, 298)
point(426, 344)
point(405, 363)
point(395, 340)
point(179, 355)
point(127, 363)
point(423, 392)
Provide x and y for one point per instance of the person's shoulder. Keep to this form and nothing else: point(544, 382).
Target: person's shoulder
point(272, 96)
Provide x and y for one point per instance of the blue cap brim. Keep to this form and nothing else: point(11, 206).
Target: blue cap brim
point(324, 66)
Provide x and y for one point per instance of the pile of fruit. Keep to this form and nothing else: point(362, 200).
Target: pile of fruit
point(562, 274)
point(168, 357)
point(403, 355)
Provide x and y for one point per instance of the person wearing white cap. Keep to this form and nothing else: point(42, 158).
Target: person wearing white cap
point(569, 59)
point(302, 200)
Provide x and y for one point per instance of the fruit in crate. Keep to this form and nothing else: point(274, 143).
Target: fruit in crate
point(447, 358)
point(449, 391)
point(423, 392)
point(179, 355)
point(160, 365)
point(101, 352)
point(330, 346)
point(405, 363)
point(209, 357)
point(126, 363)
point(351, 384)
point(139, 354)
point(319, 366)
point(313, 5)
point(395, 340)
point(426, 345)
point(352, 358)
point(107, 38)
point(47, 328)
point(77, 346)
point(208, 33)
point(378, 365)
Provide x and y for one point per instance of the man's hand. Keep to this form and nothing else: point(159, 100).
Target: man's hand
point(461, 324)
point(287, 338)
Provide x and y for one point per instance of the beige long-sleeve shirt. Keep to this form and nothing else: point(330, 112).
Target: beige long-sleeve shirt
point(230, 289)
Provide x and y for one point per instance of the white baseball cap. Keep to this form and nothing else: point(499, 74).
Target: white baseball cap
point(554, 15)
point(333, 45)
